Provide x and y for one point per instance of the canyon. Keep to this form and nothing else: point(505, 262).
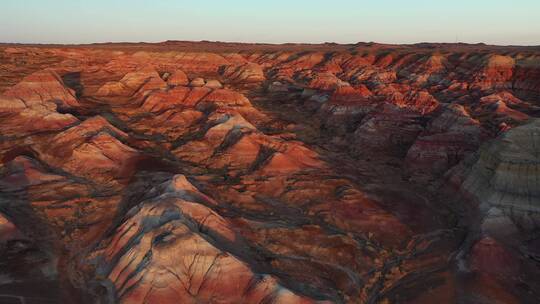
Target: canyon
point(207, 172)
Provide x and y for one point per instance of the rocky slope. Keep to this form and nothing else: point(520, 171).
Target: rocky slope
point(225, 173)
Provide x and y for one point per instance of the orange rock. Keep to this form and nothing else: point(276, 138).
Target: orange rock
point(140, 81)
point(197, 269)
point(351, 94)
point(245, 73)
point(8, 231)
point(43, 87)
point(92, 150)
point(226, 98)
point(178, 78)
point(197, 82)
point(20, 120)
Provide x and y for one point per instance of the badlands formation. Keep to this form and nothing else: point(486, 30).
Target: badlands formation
point(233, 173)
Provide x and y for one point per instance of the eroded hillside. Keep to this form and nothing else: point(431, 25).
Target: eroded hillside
point(335, 174)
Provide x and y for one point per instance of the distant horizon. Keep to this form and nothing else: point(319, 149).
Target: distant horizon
point(267, 43)
point(493, 22)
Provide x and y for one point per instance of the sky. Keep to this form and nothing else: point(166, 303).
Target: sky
point(515, 22)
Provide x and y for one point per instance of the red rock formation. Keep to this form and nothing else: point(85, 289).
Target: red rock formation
point(346, 107)
point(176, 257)
point(405, 97)
point(500, 108)
point(31, 106)
point(323, 81)
point(140, 81)
point(200, 62)
point(244, 74)
point(427, 70)
point(92, 150)
point(213, 84)
point(19, 120)
point(496, 73)
point(197, 82)
point(77, 217)
point(178, 78)
point(43, 87)
point(447, 139)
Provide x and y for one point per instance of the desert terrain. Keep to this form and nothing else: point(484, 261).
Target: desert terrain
point(207, 172)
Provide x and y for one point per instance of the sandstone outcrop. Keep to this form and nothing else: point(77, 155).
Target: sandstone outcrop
point(139, 81)
point(33, 105)
point(197, 82)
point(244, 74)
point(43, 87)
point(448, 138)
point(166, 251)
point(92, 149)
point(178, 78)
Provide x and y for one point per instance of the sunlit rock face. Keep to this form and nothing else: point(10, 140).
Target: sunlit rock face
point(170, 248)
point(237, 173)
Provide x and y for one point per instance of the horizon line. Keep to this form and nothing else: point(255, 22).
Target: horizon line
point(266, 43)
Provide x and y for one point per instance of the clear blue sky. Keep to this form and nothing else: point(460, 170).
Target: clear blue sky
point(388, 21)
